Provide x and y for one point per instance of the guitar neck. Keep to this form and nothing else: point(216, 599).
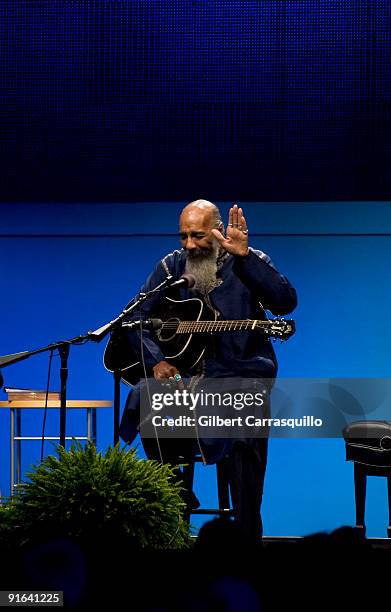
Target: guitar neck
point(194, 327)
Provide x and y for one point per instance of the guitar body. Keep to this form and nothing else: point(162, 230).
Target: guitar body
point(184, 350)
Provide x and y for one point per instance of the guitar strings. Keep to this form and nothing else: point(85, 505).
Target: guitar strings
point(218, 324)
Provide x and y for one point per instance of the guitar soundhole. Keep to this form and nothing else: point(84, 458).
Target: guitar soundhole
point(168, 331)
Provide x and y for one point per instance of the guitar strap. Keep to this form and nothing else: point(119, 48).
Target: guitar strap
point(208, 304)
point(165, 266)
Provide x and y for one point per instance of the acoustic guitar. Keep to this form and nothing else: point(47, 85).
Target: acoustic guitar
point(182, 337)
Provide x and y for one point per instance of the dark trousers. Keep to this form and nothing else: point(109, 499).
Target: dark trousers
point(245, 468)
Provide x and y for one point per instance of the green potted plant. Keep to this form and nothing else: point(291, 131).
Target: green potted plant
point(84, 495)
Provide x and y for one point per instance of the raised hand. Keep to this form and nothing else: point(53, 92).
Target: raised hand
point(236, 240)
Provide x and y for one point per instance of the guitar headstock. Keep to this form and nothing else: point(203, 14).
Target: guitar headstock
point(278, 329)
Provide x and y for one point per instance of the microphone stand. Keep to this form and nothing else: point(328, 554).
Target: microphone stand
point(63, 347)
point(99, 334)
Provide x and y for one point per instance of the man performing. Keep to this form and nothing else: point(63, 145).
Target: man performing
point(237, 282)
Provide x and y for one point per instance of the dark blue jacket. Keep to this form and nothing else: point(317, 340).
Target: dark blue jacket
point(246, 287)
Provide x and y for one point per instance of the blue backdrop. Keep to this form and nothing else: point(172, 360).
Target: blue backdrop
point(70, 268)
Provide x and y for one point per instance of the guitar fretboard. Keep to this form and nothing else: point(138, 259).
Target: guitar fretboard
point(186, 327)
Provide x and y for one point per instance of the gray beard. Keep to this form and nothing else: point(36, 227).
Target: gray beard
point(204, 269)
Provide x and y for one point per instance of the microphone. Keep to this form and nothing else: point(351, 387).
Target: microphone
point(147, 324)
point(186, 280)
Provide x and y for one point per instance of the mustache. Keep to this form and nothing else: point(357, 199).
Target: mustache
point(199, 252)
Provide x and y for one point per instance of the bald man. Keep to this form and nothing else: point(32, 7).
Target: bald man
point(235, 282)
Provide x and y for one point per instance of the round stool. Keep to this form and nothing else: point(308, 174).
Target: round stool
point(368, 445)
point(224, 508)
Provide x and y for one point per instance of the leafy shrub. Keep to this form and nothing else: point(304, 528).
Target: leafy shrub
point(84, 495)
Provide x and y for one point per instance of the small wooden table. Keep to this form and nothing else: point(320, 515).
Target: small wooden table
point(15, 407)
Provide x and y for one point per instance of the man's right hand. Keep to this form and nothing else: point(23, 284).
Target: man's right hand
point(163, 371)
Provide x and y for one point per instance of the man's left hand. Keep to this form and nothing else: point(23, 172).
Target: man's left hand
point(236, 241)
